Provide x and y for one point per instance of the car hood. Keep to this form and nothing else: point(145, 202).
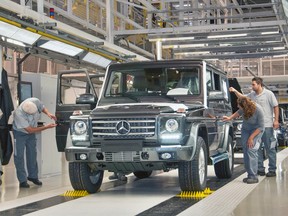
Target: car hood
point(145, 109)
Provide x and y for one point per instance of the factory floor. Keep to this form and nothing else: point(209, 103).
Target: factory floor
point(157, 195)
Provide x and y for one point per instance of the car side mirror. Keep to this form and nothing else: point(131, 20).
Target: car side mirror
point(86, 98)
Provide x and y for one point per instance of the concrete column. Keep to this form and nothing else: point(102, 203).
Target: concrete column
point(28, 3)
point(159, 50)
point(181, 14)
point(22, 2)
point(109, 20)
point(69, 7)
point(40, 6)
point(87, 12)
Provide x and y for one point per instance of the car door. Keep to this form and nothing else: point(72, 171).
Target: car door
point(72, 85)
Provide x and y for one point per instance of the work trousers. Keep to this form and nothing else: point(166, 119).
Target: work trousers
point(250, 154)
point(267, 139)
point(22, 142)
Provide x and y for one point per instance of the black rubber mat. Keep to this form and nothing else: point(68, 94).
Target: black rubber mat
point(176, 205)
point(36, 206)
point(172, 206)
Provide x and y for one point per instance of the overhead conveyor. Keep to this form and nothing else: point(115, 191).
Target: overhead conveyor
point(59, 42)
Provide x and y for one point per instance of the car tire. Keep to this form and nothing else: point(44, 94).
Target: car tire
point(82, 177)
point(142, 174)
point(224, 169)
point(193, 174)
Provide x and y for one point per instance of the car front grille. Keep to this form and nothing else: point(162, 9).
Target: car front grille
point(134, 128)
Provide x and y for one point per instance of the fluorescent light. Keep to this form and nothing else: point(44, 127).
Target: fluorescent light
point(96, 59)
point(60, 47)
point(183, 46)
point(26, 36)
point(278, 48)
point(278, 56)
point(171, 39)
point(225, 36)
point(22, 35)
point(91, 57)
point(15, 42)
point(271, 32)
point(193, 53)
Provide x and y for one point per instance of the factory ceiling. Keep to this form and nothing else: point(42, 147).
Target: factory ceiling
point(142, 29)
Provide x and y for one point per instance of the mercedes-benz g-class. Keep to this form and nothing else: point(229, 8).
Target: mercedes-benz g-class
point(156, 115)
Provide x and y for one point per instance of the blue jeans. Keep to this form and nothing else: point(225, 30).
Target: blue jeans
point(271, 152)
point(250, 154)
point(22, 141)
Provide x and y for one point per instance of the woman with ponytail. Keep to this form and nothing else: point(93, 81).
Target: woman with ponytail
point(251, 132)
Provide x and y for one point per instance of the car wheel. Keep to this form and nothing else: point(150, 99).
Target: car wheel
point(82, 177)
point(224, 168)
point(142, 174)
point(193, 174)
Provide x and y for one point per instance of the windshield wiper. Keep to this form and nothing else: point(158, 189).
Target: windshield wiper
point(132, 97)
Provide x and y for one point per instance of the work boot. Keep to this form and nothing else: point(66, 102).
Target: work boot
point(245, 180)
point(24, 185)
point(270, 174)
point(261, 173)
point(35, 181)
point(252, 181)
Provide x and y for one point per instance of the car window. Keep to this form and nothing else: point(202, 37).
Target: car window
point(225, 88)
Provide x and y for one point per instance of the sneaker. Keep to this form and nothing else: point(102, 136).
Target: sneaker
point(245, 180)
point(270, 174)
point(252, 181)
point(0, 182)
point(24, 185)
point(261, 173)
point(35, 181)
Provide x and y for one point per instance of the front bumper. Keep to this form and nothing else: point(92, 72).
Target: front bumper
point(156, 154)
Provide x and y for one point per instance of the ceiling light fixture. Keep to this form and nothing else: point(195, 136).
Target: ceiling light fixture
point(225, 36)
point(15, 33)
point(15, 42)
point(278, 48)
point(60, 47)
point(171, 39)
point(96, 59)
point(271, 32)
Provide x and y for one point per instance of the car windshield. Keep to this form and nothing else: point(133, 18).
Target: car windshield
point(162, 82)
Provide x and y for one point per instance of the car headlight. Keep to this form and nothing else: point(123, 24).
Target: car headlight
point(79, 130)
point(171, 125)
point(80, 127)
point(171, 129)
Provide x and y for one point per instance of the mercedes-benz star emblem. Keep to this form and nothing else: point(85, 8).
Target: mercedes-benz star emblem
point(123, 127)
